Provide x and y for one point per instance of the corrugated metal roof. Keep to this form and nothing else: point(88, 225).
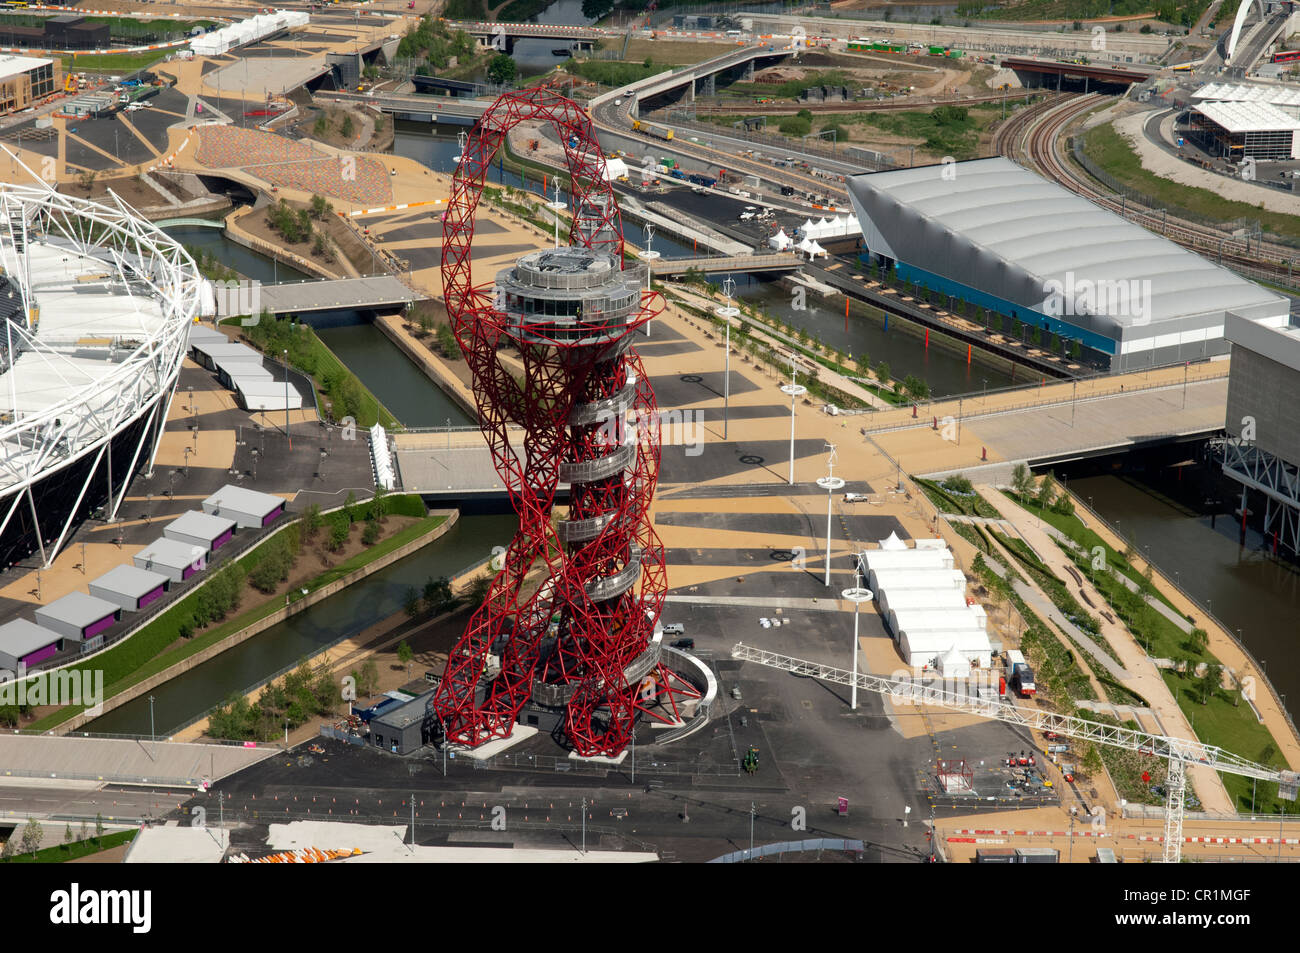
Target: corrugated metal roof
point(995, 226)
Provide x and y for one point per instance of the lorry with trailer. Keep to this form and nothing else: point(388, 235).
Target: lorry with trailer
point(1019, 675)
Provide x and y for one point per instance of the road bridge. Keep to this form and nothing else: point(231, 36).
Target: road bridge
point(373, 293)
point(444, 109)
point(1091, 76)
point(584, 37)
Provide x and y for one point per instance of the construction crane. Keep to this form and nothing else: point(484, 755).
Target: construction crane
point(1178, 752)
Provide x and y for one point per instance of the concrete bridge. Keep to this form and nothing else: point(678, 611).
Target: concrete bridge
point(445, 109)
point(583, 37)
point(777, 261)
point(374, 293)
point(701, 79)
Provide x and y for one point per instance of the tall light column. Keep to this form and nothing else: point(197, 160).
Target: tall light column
point(648, 255)
point(727, 314)
point(557, 206)
point(794, 390)
point(830, 483)
point(857, 595)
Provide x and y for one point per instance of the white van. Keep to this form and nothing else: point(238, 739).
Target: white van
point(674, 628)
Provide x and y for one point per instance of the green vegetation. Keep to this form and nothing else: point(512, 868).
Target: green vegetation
point(435, 43)
point(612, 73)
point(502, 69)
point(210, 265)
point(73, 851)
point(956, 495)
point(114, 62)
point(1109, 150)
point(1184, 12)
point(163, 641)
point(338, 385)
point(1216, 714)
point(301, 695)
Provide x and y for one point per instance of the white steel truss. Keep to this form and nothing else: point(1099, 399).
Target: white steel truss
point(140, 264)
point(1179, 752)
point(1277, 479)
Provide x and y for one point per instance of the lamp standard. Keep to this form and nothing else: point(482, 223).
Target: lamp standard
point(857, 596)
point(794, 390)
point(830, 483)
point(727, 314)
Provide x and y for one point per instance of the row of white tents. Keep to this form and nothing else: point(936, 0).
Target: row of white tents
point(256, 28)
point(810, 247)
point(922, 598)
point(836, 227)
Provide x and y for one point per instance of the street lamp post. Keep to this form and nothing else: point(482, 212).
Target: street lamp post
point(557, 207)
point(830, 483)
point(649, 255)
point(726, 314)
point(794, 390)
point(857, 596)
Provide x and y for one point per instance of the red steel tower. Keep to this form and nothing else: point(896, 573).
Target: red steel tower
point(587, 639)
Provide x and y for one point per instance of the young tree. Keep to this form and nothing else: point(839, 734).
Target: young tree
point(1210, 683)
point(10, 848)
point(368, 681)
point(478, 589)
point(411, 602)
point(32, 835)
point(1022, 481)
point(404, 655)
point(1197, 640)
point(67, 835)
point(1047, 491)
point(99, 827)
point(502, 69)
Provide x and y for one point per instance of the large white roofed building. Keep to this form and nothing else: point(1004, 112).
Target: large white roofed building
point(1029, 250)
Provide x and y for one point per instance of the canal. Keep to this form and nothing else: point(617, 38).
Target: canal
point(181, 699)
point(1168, 519)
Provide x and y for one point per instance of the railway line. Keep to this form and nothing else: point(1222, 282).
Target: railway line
point(1034, 139)
point(782, 108)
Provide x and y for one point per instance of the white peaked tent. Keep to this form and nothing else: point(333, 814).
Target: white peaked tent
point(954, 665)
point(780, 241)
point(811, 248)
point(892, 542)
point(614, 168)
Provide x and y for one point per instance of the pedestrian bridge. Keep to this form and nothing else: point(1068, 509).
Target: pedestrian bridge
point(374, 293)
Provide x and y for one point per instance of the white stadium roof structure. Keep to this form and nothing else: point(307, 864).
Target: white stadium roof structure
point(95, 306)
point(1284, 97)
point(1010, 241)
point(1248, 116)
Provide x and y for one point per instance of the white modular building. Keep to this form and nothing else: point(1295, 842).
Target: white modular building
point(248, 508)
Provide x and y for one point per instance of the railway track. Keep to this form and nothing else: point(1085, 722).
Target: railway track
point(782, 108)
point(1036, 140)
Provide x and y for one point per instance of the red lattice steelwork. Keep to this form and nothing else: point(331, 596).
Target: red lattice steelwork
point(560, 644)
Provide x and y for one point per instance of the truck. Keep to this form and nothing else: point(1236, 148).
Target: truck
point(1019, 675)
point(696, 178)
point(677, 174)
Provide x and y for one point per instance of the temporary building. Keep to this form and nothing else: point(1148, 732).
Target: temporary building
point(258, 394)
point(25, 643)
point(78, 616)
point(613, 169)
point(201, 529)
point(175, 560)
point(892, 542)
point(891, 598)
point(874, 560)
point(928, 577)
point(780, 241)
point(130, 587)
point(927, 648)
point(954, 664)
point(384, 473)
point(248, 508)
point(905, 622)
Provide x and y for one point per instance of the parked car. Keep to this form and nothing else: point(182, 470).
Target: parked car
point(683, 643)
point(674, 628)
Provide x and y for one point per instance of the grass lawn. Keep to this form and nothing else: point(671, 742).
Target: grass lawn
point(65, 852)
point(151, 650)
point(1109, 150)
point(119, 62)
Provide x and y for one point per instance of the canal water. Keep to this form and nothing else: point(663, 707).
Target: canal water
point(178, 701)
point(1248, 591)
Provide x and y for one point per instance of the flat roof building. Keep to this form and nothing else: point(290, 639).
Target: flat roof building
point(248, 508)
point(201, 529)
point(78, 616)
point(177, 561)
point(26, 643)
point(26, 80)
point(1041, 259)
point(130, 587)
point(403, 728)
point(1285, 98)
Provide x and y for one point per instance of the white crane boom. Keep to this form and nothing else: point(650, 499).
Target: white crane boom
point(1179, 752)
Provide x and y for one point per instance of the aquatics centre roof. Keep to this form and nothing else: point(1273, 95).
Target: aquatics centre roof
point(991, 225)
